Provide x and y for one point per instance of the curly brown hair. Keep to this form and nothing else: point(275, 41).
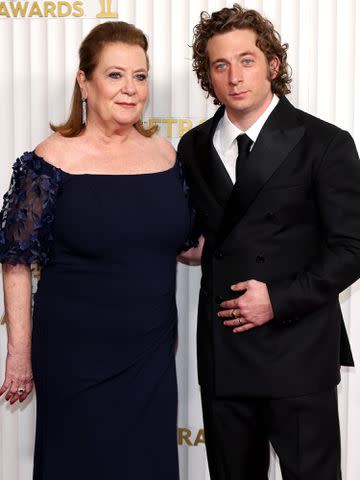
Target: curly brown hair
point(238, 18)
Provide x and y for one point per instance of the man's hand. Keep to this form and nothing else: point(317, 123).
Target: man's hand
point(192, 256)
point(252, 309)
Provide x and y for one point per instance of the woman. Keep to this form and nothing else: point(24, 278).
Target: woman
point(100, 205)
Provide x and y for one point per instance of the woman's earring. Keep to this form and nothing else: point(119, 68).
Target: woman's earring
point(83, 111)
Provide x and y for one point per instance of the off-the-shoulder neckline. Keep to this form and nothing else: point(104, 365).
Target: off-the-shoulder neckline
point(42, 159)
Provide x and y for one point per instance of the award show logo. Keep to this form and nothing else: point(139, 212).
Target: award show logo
point(191, 437)
point(61, 8)
point(106, 10)
point(173, 127)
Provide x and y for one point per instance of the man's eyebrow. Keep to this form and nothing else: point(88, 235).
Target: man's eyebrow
point(240, 55)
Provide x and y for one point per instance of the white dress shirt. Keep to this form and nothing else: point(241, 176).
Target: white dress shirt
point(226, 133)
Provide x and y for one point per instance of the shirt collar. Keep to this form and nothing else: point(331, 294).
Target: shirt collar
point(229, 131)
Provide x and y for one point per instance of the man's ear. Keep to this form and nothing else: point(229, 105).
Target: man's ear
point(81, 79)
point(274, 67)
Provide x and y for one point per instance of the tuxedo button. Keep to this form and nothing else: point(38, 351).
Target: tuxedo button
point(270, 216)
point(218, 254)
point(260, 259)
point(219, 299)
point(287, 321)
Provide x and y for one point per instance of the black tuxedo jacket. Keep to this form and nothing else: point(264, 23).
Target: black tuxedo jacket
point(291, 221)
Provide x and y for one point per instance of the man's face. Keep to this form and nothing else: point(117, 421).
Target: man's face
point(240, 75)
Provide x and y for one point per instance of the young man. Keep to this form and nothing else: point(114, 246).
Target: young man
point(277, 192)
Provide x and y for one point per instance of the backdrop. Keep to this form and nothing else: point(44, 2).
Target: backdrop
point(38, 61)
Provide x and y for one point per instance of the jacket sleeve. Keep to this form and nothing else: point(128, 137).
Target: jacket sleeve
point(194, 227)
point(337, 187)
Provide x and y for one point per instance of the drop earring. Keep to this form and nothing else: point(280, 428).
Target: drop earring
point(83, 111)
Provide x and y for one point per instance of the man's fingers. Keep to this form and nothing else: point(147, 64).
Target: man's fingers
point(232, 313)
point(240, 286)
point(229, 304)
point(244, 328)
point(234, 303)
point(235, 322)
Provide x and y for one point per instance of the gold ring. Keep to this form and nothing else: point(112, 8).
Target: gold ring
point(233, 313)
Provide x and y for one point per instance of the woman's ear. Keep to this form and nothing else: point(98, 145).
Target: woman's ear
point(81, 79)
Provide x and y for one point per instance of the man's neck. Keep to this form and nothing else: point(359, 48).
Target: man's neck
point(243, 119)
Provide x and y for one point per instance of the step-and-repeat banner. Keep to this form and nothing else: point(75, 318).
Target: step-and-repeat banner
point(38, 61)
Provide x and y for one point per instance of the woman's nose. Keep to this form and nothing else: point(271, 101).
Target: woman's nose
point(129, 86)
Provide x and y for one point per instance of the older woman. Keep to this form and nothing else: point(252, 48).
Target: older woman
point(100, 205)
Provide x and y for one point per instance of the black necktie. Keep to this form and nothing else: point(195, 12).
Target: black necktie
point(244, 144)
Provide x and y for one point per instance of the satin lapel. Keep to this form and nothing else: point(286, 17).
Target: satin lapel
point(281, 132)
point(211, 166)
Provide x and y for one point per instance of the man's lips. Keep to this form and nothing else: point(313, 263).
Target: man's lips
point(238, 94)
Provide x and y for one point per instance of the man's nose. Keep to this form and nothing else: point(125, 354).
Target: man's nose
point(235, 74)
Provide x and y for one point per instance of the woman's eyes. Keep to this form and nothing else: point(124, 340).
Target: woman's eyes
point(141, 77)
point(115, 75)
point(138, 76)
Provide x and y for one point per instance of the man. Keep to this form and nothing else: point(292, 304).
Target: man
point(277, 192)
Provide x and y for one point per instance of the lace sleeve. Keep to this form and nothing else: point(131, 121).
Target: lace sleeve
point(28, 211)
point(194, 231)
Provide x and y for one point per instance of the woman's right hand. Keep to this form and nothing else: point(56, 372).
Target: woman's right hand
point(18, 376)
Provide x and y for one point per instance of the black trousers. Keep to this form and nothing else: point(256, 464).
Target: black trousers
point(304, 432)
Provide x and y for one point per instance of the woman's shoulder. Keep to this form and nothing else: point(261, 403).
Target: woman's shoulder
point(165, 149)
point(37, 163)
point(52, 149)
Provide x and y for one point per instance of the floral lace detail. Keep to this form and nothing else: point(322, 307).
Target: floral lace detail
point(28, 211)
point(193, 239)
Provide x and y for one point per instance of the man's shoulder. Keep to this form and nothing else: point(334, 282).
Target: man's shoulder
point(189, 137)
point(322, 134)
point(316, 125)
point(202, 132)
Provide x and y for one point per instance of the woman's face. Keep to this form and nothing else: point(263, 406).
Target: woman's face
point(118, 88)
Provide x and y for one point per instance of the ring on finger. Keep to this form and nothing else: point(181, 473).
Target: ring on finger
point(21, 390)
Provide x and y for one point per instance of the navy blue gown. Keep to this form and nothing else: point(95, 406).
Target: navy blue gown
point(105, 318)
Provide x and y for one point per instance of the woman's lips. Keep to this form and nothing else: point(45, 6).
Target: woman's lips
point(125, 104)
